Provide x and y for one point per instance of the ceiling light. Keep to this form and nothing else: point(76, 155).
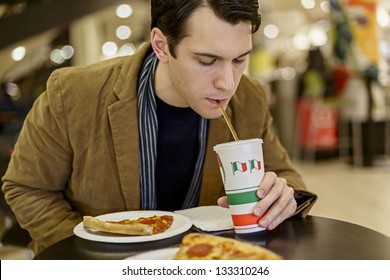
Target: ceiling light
point(18, 53)
point(318, 37)
point(271, 31)
point(109, 48)
point(301, 42)
point(57, 56)
point(325, 6)
point(308, 4)
point(123, 32)
point(127, 49)
point(124, 11)
point(67, 51)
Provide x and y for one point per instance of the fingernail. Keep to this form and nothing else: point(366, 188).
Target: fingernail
point(261, 193)
point(264, 223)
point(257, 211)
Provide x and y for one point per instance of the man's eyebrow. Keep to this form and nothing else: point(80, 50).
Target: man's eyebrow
point(219, 57)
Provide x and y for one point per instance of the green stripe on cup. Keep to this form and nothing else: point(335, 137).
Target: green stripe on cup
point(242, 198)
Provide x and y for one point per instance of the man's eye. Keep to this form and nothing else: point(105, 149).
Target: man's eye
point(207, 63)
point(239, 61)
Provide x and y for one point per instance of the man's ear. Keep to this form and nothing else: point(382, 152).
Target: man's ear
point(159, 44)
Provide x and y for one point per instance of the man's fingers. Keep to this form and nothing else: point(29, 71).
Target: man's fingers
point(280, 210)
point(266, 184)
point(222, 201)
point(273, 195)
point(288, 212)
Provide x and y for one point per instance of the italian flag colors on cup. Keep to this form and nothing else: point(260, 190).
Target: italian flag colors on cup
point(242, 169)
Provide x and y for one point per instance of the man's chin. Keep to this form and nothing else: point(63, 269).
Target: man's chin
point(210, 115)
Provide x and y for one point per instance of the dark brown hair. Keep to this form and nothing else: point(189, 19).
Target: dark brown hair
point(171, 16)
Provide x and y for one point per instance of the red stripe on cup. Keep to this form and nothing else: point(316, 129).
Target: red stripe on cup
point(245, 219)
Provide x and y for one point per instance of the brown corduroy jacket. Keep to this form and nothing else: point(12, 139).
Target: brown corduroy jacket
point(78, 151)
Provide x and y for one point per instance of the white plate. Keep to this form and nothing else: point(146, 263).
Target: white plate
point(160, 254)
point(180, 224)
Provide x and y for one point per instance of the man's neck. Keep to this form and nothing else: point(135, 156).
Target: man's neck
point(164, 88)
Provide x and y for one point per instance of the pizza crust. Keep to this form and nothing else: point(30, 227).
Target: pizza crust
point(126, 229)
point(199, 246)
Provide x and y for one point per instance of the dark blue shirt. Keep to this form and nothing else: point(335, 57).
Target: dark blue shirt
point(177, 151)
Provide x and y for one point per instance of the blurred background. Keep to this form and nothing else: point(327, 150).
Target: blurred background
point(325, 62)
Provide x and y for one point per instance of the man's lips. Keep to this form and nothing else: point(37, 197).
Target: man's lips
point(216, 101)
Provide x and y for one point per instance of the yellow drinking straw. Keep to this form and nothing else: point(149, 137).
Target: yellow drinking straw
point(228, 122)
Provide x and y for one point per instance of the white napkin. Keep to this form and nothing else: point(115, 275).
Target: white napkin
point(209, 218)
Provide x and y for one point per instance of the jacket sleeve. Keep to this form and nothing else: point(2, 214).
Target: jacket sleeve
point(36, 179)
point(276, 159)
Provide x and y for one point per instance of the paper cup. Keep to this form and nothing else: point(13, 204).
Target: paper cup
point(242, 169)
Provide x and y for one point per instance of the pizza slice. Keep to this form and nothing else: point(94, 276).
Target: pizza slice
point(199, 246)
point(141, 226)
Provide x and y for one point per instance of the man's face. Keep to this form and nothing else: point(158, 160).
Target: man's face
point(209, 64)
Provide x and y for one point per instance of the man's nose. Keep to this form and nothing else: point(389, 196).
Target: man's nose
point(225, 80)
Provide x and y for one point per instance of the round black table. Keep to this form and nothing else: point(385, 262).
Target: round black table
point(312, 238)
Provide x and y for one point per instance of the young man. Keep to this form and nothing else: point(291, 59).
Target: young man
point(137, 133)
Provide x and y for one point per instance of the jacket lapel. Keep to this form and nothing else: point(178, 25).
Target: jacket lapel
point(123, 117)
point(124, 127)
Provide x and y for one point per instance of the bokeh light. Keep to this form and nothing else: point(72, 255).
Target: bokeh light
point(123, 32)
point(67, 51)
point(308, 4)
point(127, 49)
point(18, 53)
point(124, 11)
point(271, 31)
point(109, 49)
